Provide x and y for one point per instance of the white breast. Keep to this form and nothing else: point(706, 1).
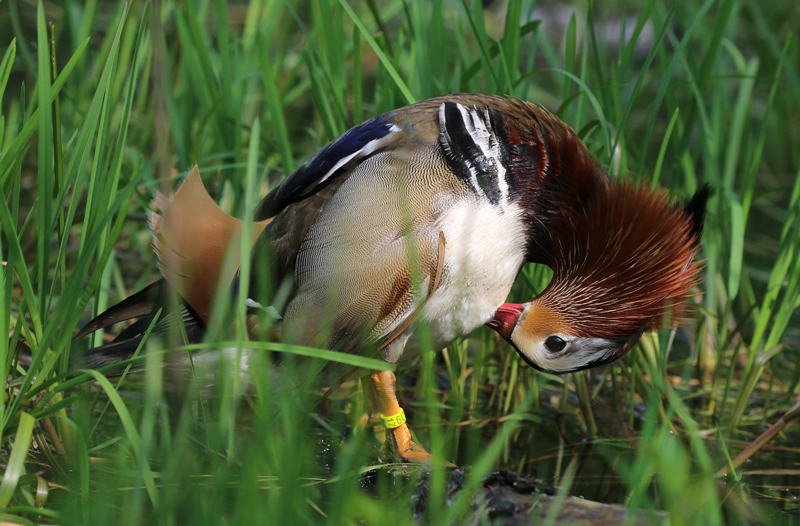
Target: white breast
point(484, 252)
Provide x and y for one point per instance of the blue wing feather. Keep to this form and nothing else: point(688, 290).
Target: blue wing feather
point(312, 176)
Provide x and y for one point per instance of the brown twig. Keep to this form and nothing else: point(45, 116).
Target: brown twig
point(783, 422)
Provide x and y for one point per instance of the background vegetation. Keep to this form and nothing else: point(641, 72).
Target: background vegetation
point(675, 93)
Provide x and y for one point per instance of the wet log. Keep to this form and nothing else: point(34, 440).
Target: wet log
point(508, 498)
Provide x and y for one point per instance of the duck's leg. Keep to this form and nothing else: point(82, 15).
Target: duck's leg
point(398, 436)
point(370, 412)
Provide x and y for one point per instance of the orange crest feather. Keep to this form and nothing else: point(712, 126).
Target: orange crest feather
point(620, 260)
point(197, 243)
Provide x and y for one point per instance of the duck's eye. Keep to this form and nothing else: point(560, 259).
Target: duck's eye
point(555, 344)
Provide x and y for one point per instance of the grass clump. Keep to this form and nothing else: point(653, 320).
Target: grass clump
point(117, 99)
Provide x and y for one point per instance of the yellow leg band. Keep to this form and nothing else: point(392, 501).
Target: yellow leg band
point(390, 422)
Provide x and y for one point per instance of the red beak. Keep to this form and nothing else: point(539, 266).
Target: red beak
point(505, 319)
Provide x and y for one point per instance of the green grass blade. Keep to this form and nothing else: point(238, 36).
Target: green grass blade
point(21, 140)
point(45, 151)
point(667, 74)
point(385, 62)
point(737, 244)
point(598, 108)
point(333, 356)
point(274, 104)
point(512, 42)
point(130, 431)
point(487, 459)
point(5, 67)
point(16, 461)
point(569, 56)
point(16, 263)
point(741, 110)
point(663, 150)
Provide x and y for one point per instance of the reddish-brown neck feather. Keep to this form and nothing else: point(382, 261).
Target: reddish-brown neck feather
point(551, 167)
point(619, 260)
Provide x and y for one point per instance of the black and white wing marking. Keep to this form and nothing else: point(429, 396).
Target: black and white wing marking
point(475, 153)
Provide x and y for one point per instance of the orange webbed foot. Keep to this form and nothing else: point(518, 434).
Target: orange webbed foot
point(398, 436)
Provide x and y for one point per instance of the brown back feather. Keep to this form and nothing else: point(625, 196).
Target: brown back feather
point(197, 243)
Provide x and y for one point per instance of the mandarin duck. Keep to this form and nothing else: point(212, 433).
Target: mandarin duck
point(425, 215)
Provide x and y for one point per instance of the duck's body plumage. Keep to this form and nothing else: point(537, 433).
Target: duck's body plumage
point(427, 213)
point(447, 166)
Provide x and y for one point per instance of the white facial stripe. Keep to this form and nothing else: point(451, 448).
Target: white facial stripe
point(579, 352)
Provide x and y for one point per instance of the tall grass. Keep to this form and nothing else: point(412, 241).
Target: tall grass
point(674, 94)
